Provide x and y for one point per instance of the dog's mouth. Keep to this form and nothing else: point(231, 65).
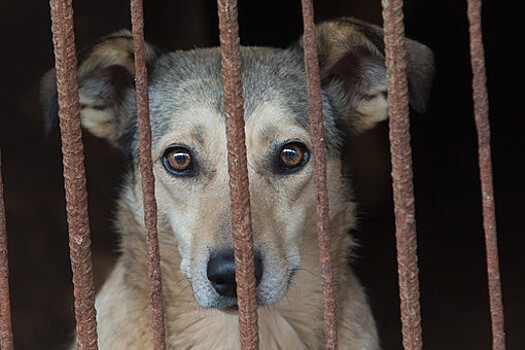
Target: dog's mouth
point(230, 304)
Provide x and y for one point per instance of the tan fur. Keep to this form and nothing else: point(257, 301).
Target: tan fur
point(335, 40)
point(295, 322)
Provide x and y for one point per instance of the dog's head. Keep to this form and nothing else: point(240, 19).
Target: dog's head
point(189, 142)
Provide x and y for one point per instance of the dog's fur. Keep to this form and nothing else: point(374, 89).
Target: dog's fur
point(186, 110)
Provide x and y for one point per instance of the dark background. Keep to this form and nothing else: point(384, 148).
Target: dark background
point(454, 295)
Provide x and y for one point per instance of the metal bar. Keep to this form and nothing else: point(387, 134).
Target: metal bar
point(313, 83)
point(148, 180)
point(481, 115)
point(402, 183)
point(238, 171)
point(6, 332)
point(74, 173)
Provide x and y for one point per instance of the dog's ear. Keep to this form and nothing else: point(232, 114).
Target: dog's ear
point(353, 73)
point(106, 73)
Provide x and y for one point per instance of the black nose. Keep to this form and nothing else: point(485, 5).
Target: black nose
point(221, 272)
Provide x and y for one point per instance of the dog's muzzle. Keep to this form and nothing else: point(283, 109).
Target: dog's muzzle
point(221, 272)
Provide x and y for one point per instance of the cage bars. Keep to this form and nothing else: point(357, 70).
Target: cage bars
point(481, 116)
point(238, 172)
point(402, 184)
point(315, 106)
point(147, 178)
point(76, 196)
point(74, 173)
point(6, 332)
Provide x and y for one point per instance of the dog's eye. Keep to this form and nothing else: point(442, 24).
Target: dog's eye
point(178, 161)
point(292, 157)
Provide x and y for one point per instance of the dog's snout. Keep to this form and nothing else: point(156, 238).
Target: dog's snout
point(221, 272)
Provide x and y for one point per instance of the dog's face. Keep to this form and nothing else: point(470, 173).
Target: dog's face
point(196, 200)
point(189, 142)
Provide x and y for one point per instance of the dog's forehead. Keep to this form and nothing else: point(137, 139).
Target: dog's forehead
point(185, 81)
point(185, 93)
point(205, 128)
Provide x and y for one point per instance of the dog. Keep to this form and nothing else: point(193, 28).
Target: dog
point(190, 167)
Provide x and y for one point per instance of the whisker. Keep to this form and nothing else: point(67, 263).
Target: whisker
point(168, 243)
point(306, 270)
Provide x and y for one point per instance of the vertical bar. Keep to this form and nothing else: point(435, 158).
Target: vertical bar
point(74, 173)
point(481, 115)
point(401, 152)
point(238, 171)
point(6, 333)
point(148, 180)
point(313, 83)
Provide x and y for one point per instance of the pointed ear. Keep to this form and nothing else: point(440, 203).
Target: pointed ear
point(106, 75)
point(353, 73)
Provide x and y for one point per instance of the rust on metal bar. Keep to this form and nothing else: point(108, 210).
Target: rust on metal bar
point(311, 63)
point(148, 180)
point(6, 332)
point(481, 115)
point(238, 171)
point(401, 153)
point(74, 173)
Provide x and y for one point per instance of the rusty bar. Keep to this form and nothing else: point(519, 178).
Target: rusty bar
point(74, 173)
point(6, 332)
point(313, 83)
point(148, 180)
point(238, 171)
point(481, 115)
point(401, 153)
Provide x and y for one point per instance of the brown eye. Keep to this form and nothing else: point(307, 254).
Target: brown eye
point(178, 161)
point(292, 157)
